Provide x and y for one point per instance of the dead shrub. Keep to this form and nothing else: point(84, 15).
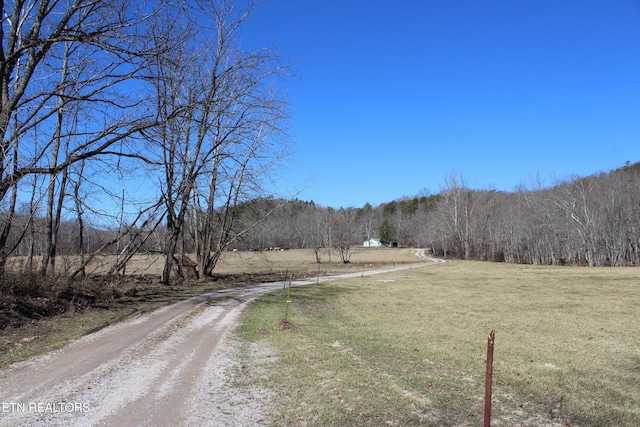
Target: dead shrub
point(28, 297)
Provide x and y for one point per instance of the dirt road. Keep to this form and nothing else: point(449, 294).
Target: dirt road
point(171, 367)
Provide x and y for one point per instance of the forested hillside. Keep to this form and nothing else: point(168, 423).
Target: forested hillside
point(591, 220)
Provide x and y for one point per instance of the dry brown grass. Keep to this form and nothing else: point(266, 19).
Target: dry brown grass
point(408, 348)
point(297, 261)
point(302, 262)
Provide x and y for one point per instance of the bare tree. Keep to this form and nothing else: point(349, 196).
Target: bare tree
point(369, 222)
point(576, 202)
point(221, 120)
point(318, 240)
point(59, 56)
point(344, 231)
point(456, 210)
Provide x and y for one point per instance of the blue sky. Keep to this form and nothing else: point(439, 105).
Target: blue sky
point(390, 98)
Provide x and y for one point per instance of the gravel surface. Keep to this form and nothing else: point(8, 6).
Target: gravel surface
point(176, 366)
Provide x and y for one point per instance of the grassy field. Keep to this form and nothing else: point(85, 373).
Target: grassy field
point(302, 262)
point(409, 348)
point(298, 261)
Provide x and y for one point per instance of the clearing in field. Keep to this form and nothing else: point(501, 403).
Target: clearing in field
point(408, 348)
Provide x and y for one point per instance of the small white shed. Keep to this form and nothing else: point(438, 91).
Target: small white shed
point(372, 243)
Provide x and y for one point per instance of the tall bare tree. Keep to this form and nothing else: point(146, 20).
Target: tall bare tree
point(58, 56)
point(222, 121)
point(456, 210)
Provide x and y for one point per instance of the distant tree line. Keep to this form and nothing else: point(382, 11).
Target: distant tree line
point(591, 221)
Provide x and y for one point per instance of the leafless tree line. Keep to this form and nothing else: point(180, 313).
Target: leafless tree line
point(581, 221)
point(143, 121)
point(592, 221)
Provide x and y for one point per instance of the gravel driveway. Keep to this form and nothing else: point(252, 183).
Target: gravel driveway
point(172, 367)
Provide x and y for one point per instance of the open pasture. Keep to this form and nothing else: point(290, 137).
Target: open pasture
point(302, 262)
point(409, 348)
point(297, 261)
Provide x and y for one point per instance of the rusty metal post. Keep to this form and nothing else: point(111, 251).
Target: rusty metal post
point(489, 380)
point(286, 314)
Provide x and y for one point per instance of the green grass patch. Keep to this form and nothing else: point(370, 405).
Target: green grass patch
point(409, 348)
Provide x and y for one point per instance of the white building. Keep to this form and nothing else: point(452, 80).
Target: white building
point(372, 243)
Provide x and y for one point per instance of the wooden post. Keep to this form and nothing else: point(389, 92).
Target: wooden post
point(489, 380)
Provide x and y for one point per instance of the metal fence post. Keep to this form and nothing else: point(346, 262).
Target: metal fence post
point(489, 380)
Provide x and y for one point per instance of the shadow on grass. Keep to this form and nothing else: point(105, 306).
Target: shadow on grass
point(270, 312)
point(308, 297)
point(635, 364)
